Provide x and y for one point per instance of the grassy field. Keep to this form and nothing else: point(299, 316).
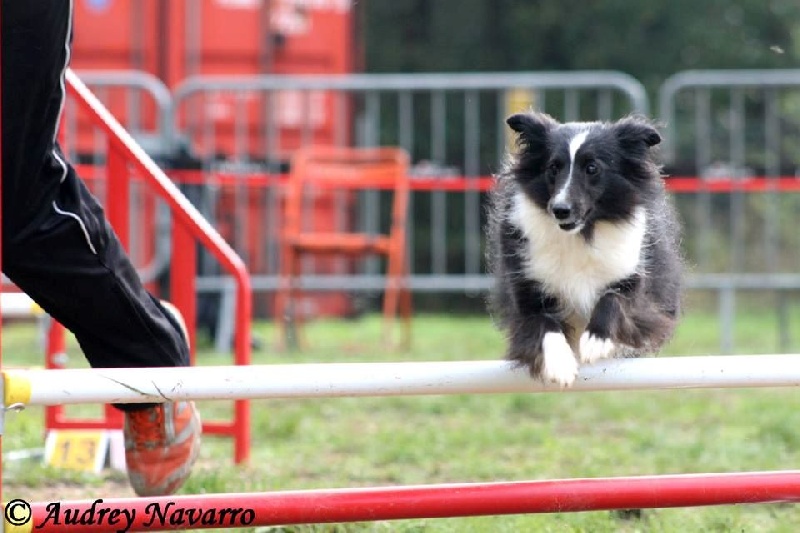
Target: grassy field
point(381, 441)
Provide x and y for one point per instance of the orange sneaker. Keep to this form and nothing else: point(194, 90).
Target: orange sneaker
point(161, 445)
point(161, 442)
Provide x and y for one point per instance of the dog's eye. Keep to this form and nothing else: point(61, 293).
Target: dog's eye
point(552, 172)
point(592, 169)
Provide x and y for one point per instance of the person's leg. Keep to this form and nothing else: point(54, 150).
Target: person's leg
point(73, 265)
point(59, 248)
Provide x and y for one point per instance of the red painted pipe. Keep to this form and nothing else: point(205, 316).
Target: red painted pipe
point(432, 501)
point(674, 184)
point(188, 223)
point(56, 347)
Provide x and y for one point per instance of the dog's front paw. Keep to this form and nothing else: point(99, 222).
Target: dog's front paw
point(559, 364)
point(594, 348)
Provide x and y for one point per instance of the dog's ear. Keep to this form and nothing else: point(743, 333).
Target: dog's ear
point(637, 131)
point(532, 127)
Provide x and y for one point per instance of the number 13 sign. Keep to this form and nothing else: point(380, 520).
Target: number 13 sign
point(83, 450)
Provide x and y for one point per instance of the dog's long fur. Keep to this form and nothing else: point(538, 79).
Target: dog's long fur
point(584, 245)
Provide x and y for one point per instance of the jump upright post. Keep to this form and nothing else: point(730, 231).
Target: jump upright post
point(188, 228)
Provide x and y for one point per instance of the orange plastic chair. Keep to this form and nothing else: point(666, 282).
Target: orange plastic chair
point(323, 170)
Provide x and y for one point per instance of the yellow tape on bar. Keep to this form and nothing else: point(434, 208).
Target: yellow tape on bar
point(17, 389)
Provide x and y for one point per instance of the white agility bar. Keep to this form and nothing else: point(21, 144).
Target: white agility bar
point(51, 387)
point(19, 305)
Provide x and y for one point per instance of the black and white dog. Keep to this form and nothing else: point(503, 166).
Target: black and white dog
point(584, 245)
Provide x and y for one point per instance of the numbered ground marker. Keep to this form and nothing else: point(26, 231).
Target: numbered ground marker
point(76, 449)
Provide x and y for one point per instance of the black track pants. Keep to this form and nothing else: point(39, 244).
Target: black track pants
point(57, 244)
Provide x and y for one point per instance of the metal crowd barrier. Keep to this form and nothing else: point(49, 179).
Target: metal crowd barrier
point(735, 125)
point(723, 129)
point(451, 124)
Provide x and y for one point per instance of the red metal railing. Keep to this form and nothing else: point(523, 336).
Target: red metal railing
point(189, 227)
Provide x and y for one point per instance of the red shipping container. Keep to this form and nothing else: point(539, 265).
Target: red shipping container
point(117, 34)
point(252, 37)
point(176, 39)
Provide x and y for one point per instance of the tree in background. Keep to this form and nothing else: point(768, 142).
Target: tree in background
point(648, 40)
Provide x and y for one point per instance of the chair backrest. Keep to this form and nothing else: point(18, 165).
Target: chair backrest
point(317, 169)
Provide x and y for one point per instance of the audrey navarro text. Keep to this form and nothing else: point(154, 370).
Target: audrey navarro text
point(155, 515)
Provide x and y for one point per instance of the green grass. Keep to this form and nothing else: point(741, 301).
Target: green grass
point(437, 439)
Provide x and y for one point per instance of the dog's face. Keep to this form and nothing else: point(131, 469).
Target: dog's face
point(583, 172)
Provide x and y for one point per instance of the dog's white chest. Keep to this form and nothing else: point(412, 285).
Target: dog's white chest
point(572, 269)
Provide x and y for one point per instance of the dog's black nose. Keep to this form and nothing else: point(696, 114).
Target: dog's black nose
point(562, 211)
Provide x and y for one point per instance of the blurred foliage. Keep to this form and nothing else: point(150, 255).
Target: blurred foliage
point(648, 40)
point(651, 41)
